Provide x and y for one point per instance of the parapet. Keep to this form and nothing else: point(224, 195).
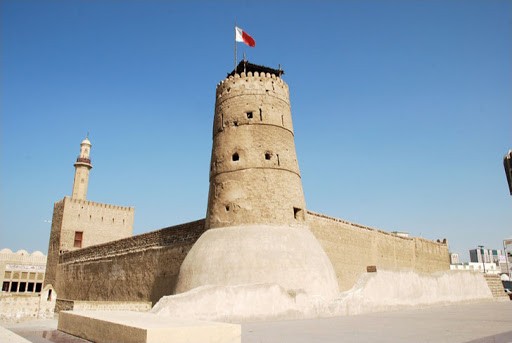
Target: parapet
point(98, 204)
point(256, 80)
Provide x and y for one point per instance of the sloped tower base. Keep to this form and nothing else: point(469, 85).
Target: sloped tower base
point(290, 257)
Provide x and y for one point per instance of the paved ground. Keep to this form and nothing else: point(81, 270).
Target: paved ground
point(477, 322)
point(485, 322)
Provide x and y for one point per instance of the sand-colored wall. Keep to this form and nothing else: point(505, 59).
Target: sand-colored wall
point(254, 173)
point(145, 267)
point(138, 268)
point(352, 247)
point(99, 223)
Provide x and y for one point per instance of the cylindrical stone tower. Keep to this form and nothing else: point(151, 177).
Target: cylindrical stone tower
point(257, 232)
point(254, 174)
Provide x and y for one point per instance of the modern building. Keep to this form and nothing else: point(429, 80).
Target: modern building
point(507, 163)
point(454, 258)
point(22, 272)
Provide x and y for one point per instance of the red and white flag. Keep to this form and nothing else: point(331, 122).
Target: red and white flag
point(242, 36)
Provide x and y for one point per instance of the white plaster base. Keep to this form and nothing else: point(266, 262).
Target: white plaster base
point(374, 292)
point(290, 257)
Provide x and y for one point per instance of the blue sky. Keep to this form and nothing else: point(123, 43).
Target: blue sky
point(402, 109)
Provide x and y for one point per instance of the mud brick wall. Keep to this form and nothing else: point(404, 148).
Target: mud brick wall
point(139, 268)
point(352, 248)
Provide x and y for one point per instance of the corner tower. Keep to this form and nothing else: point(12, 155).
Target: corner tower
point(256, 233)
point(82, 167)
point(254, 174)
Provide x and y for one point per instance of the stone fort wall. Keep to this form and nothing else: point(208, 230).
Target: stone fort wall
point(145, 267)
point(139, 268)
point(98, 223)
point(352, 248)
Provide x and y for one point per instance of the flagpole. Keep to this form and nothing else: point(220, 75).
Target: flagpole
point(235, 48)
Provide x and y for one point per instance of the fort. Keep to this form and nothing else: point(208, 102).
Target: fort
point(257, 229)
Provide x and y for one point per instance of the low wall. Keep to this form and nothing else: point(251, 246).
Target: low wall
point(353, 247)
point(392, 290)
point(19, 306)
point(79, 305)
point(139, 268)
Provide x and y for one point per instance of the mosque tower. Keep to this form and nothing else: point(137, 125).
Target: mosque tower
point(82, 167)
point(256, 228)
point(254, 174)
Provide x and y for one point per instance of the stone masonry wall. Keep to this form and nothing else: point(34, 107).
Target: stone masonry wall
point(100, 223)
point(54, 244)
point(352, 247)
point(138, 268)
point(254, 173)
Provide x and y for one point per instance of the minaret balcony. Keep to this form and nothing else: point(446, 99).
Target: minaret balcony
point(83, 160)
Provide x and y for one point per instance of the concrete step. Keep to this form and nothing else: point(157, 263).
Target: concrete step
point(496, 286)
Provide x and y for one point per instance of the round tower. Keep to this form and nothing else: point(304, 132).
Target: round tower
point(82, 167)
point(254, 174)
point(257, 232)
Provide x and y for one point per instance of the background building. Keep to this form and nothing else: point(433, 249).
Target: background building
point(21, 272)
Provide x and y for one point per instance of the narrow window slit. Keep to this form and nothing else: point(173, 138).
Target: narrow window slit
point(298, 213)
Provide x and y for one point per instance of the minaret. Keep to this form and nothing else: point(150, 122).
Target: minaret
point(82, 167)
point(254, 174)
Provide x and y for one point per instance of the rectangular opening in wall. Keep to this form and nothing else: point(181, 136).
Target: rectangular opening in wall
point(14, 286)
point(23, 287)
point(298, 213)
point(5, 286)
point(38, 287)
point(30, 287)
point(78, 239)
point(249, 115)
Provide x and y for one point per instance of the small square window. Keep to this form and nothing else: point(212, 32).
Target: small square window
point(249, 115)
point(235, 157)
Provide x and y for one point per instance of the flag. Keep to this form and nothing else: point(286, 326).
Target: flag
point(242, 36)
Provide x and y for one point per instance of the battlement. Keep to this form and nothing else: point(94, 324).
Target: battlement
point(98, 205)
point(380, 231)
point(252, 83)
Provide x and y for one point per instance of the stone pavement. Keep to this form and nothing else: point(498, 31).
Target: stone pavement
point(483, 322)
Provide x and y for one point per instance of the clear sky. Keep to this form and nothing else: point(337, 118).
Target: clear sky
point(402, 109)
